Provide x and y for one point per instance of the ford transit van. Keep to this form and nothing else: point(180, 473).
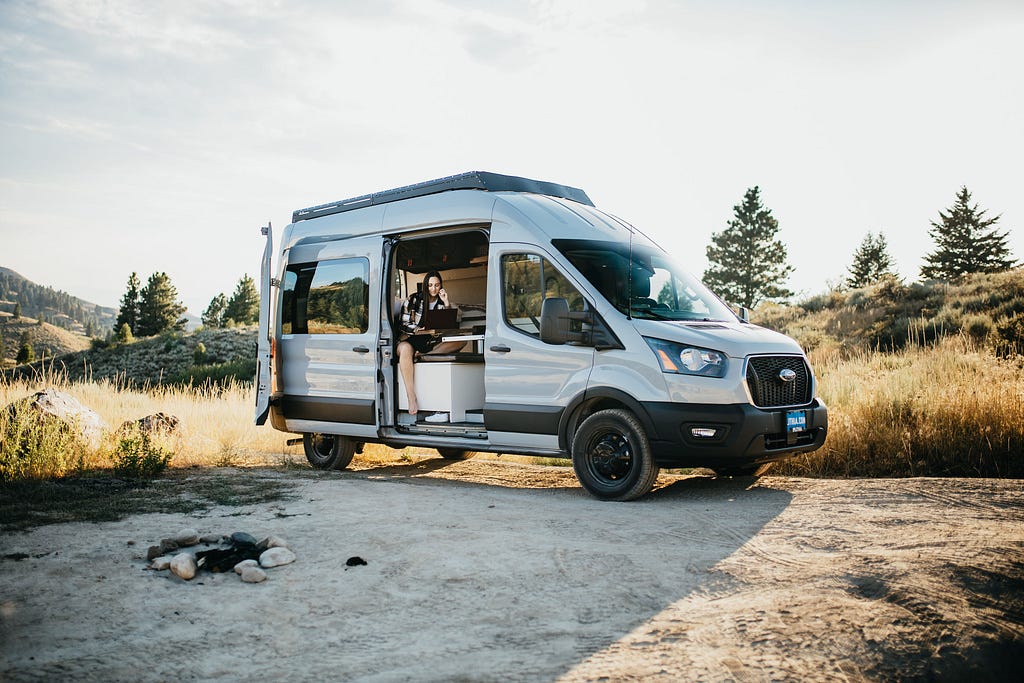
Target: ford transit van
point(582, 339)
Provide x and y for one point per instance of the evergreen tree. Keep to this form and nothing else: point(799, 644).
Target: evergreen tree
point(129, 313)
point(159, 308)
point(25, 352)
point(213, 316)
point(746, 263)
point(871, 262)
point(17, 311)
point(244, 305)
point(966, 243)
point(124, 334)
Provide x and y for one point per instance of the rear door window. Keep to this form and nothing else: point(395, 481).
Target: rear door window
point(327, 297)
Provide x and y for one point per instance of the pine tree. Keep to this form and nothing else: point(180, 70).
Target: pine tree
point(159, 308)
point(213, 316)
point(244, 305)
point(871, 262)
point(17, 311)
point(746, 263)
point(124, 334)
point(966, 243)
point(129, 313)
point(25, 352)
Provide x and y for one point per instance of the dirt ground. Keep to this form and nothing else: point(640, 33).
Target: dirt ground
point(498, 571)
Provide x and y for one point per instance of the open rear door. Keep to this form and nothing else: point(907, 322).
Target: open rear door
point(264, 341)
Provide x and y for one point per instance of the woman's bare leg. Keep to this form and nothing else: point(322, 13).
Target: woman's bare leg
point(405, 356)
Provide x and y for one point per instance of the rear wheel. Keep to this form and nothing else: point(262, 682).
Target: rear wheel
point(612, 456)
point(328, 451)
point(455, 454)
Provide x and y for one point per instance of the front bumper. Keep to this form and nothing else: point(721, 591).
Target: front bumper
point(744, 435)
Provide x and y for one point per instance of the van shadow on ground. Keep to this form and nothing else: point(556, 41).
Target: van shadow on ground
point(527, 584)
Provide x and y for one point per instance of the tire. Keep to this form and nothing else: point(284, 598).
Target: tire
point(455, 454)
point(328, 451)
point(745, 471)
point(612, 456)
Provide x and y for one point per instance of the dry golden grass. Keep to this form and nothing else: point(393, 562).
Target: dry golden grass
point(950, 409)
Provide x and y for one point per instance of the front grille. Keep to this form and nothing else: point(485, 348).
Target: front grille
point(769, 391)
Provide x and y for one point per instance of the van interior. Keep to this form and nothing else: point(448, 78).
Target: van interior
point(451, 383)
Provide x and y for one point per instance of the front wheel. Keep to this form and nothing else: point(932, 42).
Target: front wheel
point(612, 456)
point(328, 451)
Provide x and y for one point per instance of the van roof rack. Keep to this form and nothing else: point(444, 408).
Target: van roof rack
point(473, 180)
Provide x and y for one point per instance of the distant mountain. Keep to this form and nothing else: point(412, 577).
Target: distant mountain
point(52, 306)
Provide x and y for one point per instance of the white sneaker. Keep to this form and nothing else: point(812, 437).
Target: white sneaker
point(437, 417)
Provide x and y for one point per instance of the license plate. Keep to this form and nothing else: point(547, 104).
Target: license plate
point(796, 421)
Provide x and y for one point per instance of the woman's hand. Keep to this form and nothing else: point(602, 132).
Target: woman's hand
point(443, 295)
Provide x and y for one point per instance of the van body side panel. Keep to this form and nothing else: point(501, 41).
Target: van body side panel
point(528, 383)
point(328, 371)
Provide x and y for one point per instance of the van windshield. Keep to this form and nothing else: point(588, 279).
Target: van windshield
point(657, 288)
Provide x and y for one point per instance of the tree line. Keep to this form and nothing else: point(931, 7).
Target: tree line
point(155, 308)
point(748, 264)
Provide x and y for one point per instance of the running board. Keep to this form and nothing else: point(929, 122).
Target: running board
point(469, 430)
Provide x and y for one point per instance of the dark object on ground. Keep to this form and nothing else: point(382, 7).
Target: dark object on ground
point(355, 561)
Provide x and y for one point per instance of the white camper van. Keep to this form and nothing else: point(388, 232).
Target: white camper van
point(582, 339)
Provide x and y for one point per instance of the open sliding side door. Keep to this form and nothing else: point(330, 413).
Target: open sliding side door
point(264, 341)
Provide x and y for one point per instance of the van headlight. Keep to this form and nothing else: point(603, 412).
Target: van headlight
point(681, 359)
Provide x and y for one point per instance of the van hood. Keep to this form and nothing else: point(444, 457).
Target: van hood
point(733, 338)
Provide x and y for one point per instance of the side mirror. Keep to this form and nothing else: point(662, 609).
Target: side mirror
point(743, 313)
point(554, 321)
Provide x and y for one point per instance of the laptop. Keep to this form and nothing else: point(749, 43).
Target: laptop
point(440, 319)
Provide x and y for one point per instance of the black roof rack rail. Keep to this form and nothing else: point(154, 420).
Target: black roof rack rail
point(473, 180)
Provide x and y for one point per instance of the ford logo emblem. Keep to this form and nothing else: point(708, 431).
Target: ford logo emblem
point(787, 375)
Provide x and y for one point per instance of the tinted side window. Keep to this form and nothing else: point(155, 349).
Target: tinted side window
point(528, 279)
point(329, 297)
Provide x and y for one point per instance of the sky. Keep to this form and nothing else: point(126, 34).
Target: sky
point(159, 136)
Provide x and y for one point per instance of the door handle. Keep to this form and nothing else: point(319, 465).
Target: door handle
point(360, 349)
point(500, 349)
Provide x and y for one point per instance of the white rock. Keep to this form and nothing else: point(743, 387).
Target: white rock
point(275, 557)
point(245, 563)
point(160, 563)
point(273, 542)
point(253, 574)
point(186, 537)
point(211, 539)
point(184, 565)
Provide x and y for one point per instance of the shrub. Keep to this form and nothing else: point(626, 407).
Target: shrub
point(136, 456)
point(218, 374)
point(33, 447)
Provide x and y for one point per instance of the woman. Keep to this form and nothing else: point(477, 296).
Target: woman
point(420, 340)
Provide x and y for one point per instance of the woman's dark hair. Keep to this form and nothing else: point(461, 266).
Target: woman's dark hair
point(426, 280)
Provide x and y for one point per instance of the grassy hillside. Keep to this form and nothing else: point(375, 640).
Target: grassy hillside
point(178, 358)
point(888, 316)
point(53, 306)
point(46, 339)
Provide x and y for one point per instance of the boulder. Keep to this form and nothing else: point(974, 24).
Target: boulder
point(186, 538)
point(160, 563)
point(157, 423)
point(184, 566)
point(275, 557)
point(272, 542)
point(86, 424)
point(253, 575)
point(245, 563)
